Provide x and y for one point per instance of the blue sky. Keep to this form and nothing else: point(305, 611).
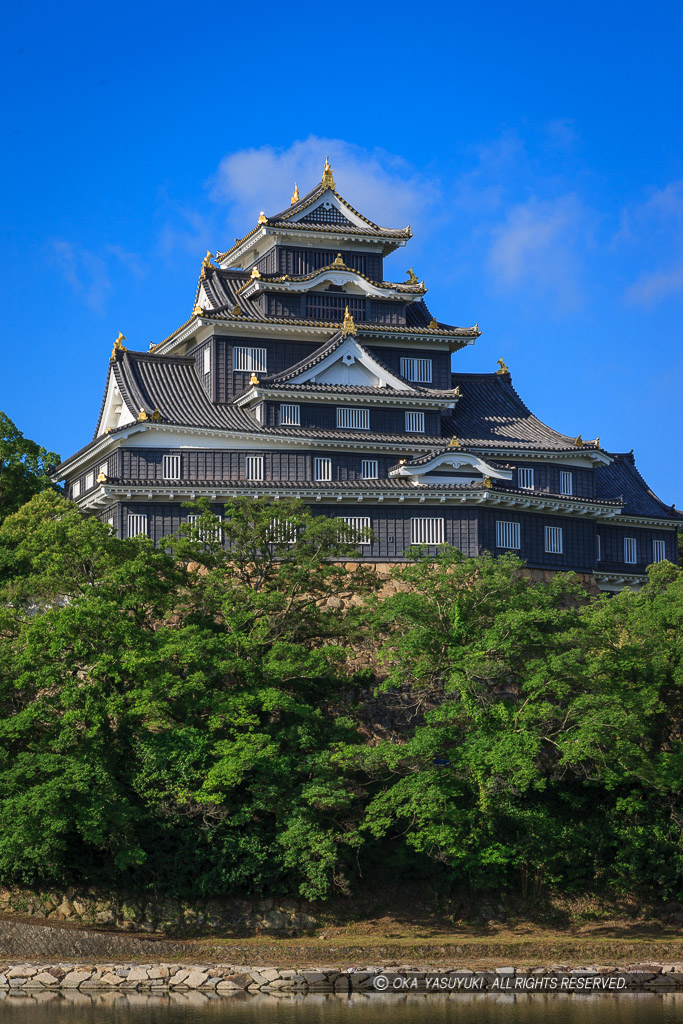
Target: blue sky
point(534, 148)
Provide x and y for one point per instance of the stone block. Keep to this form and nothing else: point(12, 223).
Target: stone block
point(75, 978)
point(195, 979)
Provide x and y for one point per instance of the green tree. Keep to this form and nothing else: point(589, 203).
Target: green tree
point(23, 467)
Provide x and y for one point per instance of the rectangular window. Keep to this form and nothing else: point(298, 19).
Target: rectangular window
point(170, 467)
point(283, 531)
point(419, 370)
point(353, 419)
point(658, 550)
point(102, 470)
point(415, 423)
point(426, 531)
point(212, 534)
point(598, 548)
point(323, 469)
point(258, 412)
point(250, 360)
point(76, 489)
point(525, 479)
point(89, 480)
point(254, 467)
point(207, 360)
point(290, 415)
point(360, 525)
point(566, 485)
point(136, 525)
point(553, 540)
point(630, 550)
point(369, 469)
point(508, 535)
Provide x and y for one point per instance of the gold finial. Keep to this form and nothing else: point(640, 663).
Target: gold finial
point(253, 379)
point(156, 415)
point(118, 345)
point(262, 218)
point(142, 416)
point(101, 477)
point(237, 311)
point(327, 178)
point(206, 262)
point(255, 273)
point(348, 326)
point(454, 443)
point(432, 323)
point(579, 442)
point(487, 483)
point(339, 261)
point(197, 310)
point(503, 369)
point(401, 462)
point(151, 346)
point(458, 392)
point(295, 195)
point(597, 441)
point(412, 276)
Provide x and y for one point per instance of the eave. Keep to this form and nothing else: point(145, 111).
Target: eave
point(410, 398)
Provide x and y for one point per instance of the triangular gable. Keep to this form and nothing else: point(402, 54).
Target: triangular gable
point(327, 208)
point(452, 466)
point(115, 412)
point(350, 363)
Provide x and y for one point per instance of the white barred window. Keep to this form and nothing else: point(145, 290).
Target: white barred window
point(323, 469)
point(353, 419)
point(566, 482)
point(360, 524)
point(76, 489)
point(102, 470)
point(283, 531)
point(212, 534)
point(207, 360)
point(290, 415)
point(658, 550)
point(598, 548)
point(136, 524)
point(89, 480)
point(109, 521)
point(250, 360)
point(630, 550)
point(418, 370)
point(254, 467)
point(369, 469)
point(415, 423)
point(525, 478)
point(507, 535)
point(426, 531)
point(170, 467)
point(553, 540)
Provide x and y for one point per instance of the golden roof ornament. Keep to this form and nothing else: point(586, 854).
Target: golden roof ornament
point(504, 371)
point(487, 483)
point(237, 311)
point(197, 310)
point(579, 442)
point(412, 276)
point(142, 416)
point(597, 441)
point(156, 415)
point(454, 443)
point(328, 178)
point(339, 261)
point(255, 274)
point(262, 219)
point(206, 262)
point(295, 195)
point(118, 345)
point(253, 379)
point(458, 392)
point(101, 477)
point(348, 326)
point(432, 323)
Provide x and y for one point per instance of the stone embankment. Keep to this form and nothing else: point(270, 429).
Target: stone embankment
point(232, 979)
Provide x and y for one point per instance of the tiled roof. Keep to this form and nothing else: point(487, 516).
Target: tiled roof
point(400, 286)
point(360, 389)
point(622, 477)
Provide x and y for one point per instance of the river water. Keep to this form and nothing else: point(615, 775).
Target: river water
point(481, 1008)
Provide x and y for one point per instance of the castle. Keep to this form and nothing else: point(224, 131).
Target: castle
point(303, 373)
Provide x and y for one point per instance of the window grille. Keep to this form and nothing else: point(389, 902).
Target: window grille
point(566, 483)
point(360, 525)
point(207, 360)
point(203, 534)
point(254, 467)
point(283, 531)
point(369, 469)
point(508, 535)
point(250, 360)
point(290, 415)
point(415, 423)
point(353, 419)
point(323, 469)
point(426, 531)
point(525, 479)
point(419, 370)
point(598, 552)
point(137, 524)
point(170, 467)
point(630, 550)
point(326, 213)
point(76, 489)
point(553, 540)
point(89, 480)
point(658, 550)
point(332, 307)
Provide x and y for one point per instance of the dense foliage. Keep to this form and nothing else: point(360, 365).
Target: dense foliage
point(186, 721)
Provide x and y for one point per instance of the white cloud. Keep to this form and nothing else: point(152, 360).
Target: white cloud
point(540, 245)
point(84, 270)
point(653, 230)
